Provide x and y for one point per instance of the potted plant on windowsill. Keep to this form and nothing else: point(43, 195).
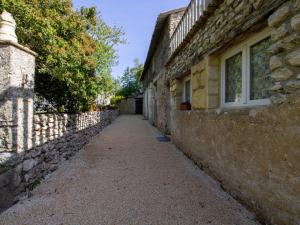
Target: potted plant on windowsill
point(185, 106)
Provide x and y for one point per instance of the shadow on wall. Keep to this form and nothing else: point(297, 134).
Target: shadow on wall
point(56, 137)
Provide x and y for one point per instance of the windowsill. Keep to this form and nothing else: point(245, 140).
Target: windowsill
point(185, 107)
point(240, 110)
point(253, 104)
point(241, 107)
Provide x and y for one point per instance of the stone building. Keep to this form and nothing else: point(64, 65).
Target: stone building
point(223, 78)
point(156, 86)
point(131, 105)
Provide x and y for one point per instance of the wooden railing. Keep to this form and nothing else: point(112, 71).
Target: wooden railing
point(194, 11)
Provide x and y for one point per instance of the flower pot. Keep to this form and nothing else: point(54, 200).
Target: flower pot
point(185, 106)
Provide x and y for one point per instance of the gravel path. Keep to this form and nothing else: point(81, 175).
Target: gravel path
point(126, 177)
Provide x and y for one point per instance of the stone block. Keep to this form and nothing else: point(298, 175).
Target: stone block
point(293, 85)
point(280, 32)
point(297, 4)
point(5, 178)
point(282, 74)
point(275, 62)
point(293, 58)
point(276, 87)
point(280, 15)
point(295, 22)
point(278, 99)
point(213, 101)
point(199, 99)
point(229, 2)
point(29, 164)
point(213, 87)
point(257, 3)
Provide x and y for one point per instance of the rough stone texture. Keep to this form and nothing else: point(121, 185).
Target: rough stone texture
point(125, 176)
point(7, 27)
point(280, 32)
point(17, 68)
point(287, 46)
point(223, 27)
point(162, 48)
point(127, 106)
point(293, 58)
point(275, 62)
point(282, 74)
point(163, 105)
point(253, 153)
point(56, 138)
point(295, 23)
point(293, 85)
point(280, 15)
point(157, 90)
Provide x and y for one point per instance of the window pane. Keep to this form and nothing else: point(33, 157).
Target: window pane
point(188, 91)
point(233, 79)
point(259, 69)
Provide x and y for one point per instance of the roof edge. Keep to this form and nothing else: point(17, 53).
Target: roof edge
point(160, 22)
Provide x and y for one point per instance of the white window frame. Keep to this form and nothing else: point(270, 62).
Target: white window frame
point(244, 47)
point(184, 88)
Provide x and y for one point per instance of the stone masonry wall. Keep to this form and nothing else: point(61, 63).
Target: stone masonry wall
point(229, 20)
point(157, 91)
point(253, 152)
point(56, 137)
point(127, 106)
point(32, 146)
point(163, 105)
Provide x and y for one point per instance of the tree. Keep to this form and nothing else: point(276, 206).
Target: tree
point(130, 84)
point(108, 86)
point(75, 49)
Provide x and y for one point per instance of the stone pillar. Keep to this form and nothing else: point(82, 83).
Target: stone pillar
point(17, 67)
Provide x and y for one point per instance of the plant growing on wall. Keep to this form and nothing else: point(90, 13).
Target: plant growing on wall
point(75, 50)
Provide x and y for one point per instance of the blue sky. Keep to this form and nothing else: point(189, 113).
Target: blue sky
point(137, 18)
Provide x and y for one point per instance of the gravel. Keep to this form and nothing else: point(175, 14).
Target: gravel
point(126, 177)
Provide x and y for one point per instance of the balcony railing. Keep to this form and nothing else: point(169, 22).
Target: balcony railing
point(194, 11)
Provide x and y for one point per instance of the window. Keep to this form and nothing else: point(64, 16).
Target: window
point(245, 72)
point(187, 91)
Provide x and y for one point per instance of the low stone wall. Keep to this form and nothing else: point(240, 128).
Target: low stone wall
point(56, 137)
point(254, 153)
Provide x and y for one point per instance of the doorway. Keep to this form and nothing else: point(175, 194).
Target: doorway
point(139, 106)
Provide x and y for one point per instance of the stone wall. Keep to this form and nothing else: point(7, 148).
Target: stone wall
point(32, 146)
point(127, 106)
point(56, 137)
point(252, 151)
point(163, 105)
point(227, 21)
point(157, 88)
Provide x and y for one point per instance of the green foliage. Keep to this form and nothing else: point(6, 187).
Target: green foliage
point(35, 183)
point(116, 100)
point(75, 50)
point(130, 84)
point(108, 86)
point(7, 165)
